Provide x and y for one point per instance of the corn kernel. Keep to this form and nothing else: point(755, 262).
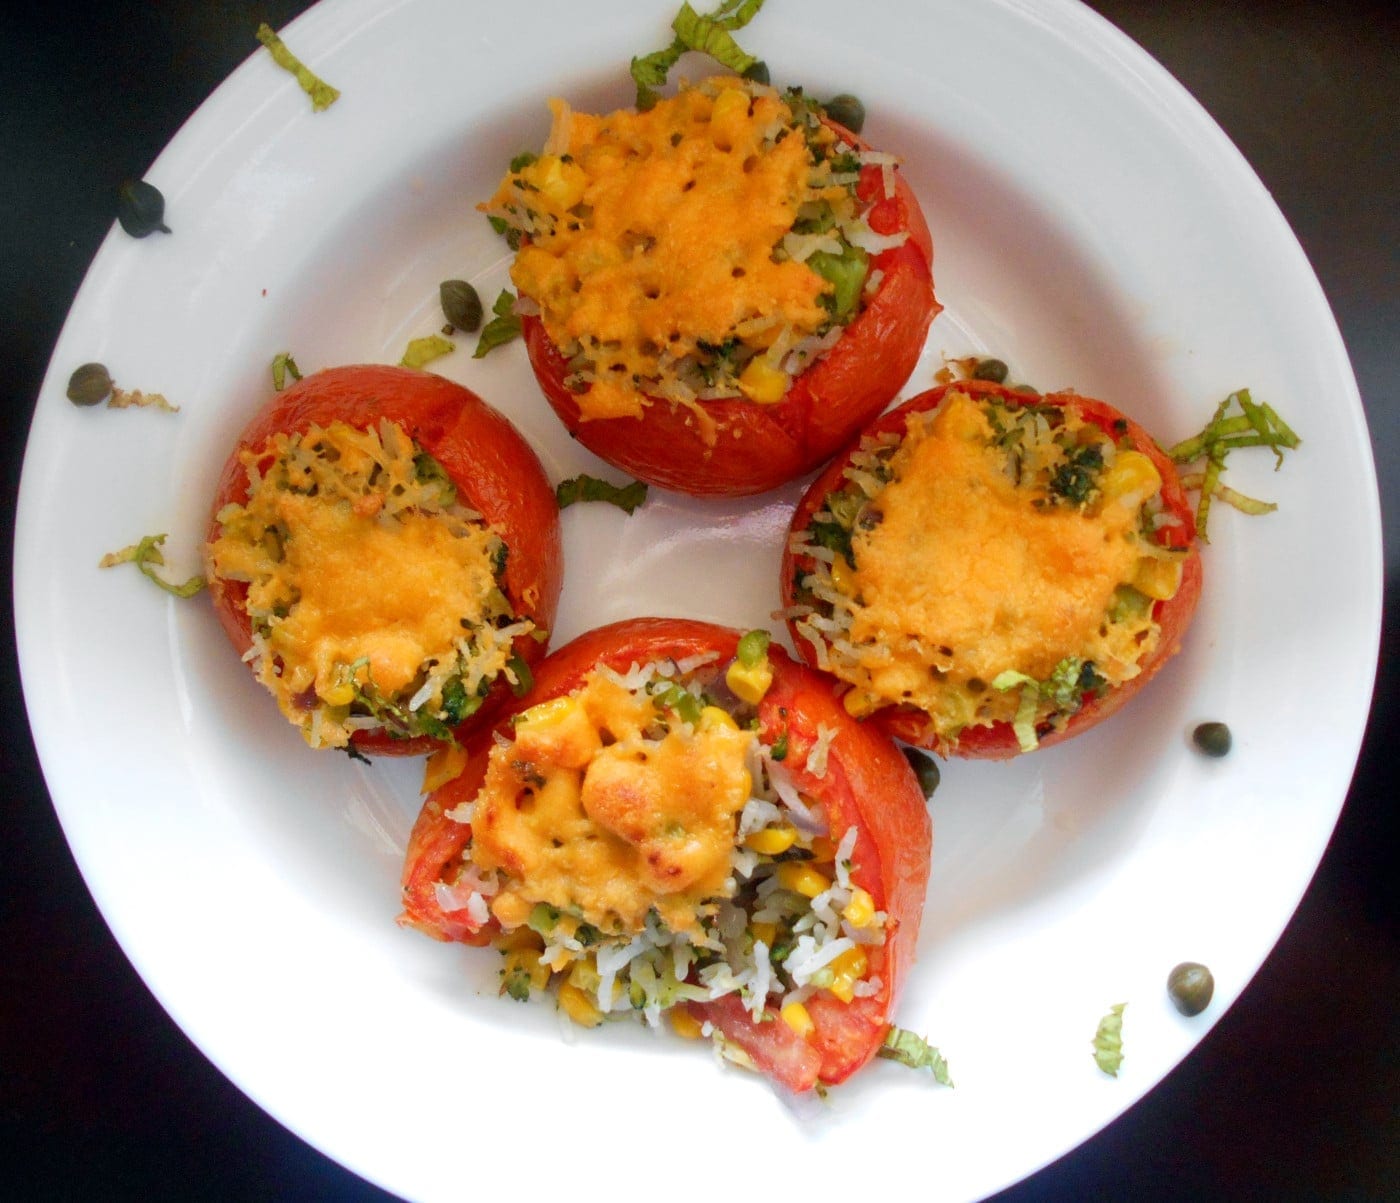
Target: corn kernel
point(860, 911)
point(727, 118)
point(563, 183)
point(342, 693)
point(847, 970)
point(764, 930)
point(443, 766)
point(749, 684)
point(1131, 480)
point(800, 876)
point(684, 1024)
point(519, 937)
point(795, 1015)
point(762, 383)
point(860, 702)
point(1159, 579)
point(578, 1006)
point(712, 717)
point(843, 576)
point(510, 909)
point(771, 841)
point(555, 710)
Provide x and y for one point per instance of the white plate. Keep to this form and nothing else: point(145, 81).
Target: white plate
point(1092, 226)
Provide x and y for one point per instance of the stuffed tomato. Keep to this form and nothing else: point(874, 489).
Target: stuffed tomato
point(989, 571)
point(720, 290)
point(384, 552)
point(683, 822)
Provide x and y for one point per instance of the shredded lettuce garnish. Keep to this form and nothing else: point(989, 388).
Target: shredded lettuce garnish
point(503, 328)
point(710, 34)
point(914, 1051)
point(321, 93)
point(283, 365)
point(146, 555)
point(1065, 688)
point(1108, 1041)
point(422, 351)
point(589, 488)
point(1255, 425)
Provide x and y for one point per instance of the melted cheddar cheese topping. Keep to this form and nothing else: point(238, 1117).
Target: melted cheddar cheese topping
point(364, 579)
point(654, 237)
point(588, 812)
point(969, 568)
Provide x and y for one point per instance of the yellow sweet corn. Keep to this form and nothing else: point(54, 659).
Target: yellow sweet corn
point(771, 841)
point(765, 931)
point(843, 576)
point(860, 911)
point(443, 765)
point(749, 684)
point(712, 717)
point(1131, 479)
point(683, 1023)
point(800, 876)
point(847, 969)
point(563, 183)
point(795, 1015)
point(763, 383)
point(1158, 578)
point(578, 1006)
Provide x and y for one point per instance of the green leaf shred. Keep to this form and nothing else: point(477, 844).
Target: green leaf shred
point(914, 1051)
point(146, 555)
point(503, 328)
point(589, 488)
point(1108, 1041)
point(283, 365)
point(321, 93)
point(1254, 425)
point(422, 351)
point(710, 34)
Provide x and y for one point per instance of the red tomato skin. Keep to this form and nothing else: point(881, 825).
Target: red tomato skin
point(758, 447)
point(998, 741)
point(867, 783)
point(495, 470)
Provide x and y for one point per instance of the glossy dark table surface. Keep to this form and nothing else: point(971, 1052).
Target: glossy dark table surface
point(1295, 1094)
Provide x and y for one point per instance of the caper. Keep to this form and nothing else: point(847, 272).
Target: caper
point(141, 209)
point(1191, 987)
point(990, 369)
point(846, 110)
point(925, 769)
point(460, 304)
point(1212, 739)
point(91, 384)
point(758, 73)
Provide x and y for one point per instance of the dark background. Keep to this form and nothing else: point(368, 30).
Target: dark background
point(1296, 1092)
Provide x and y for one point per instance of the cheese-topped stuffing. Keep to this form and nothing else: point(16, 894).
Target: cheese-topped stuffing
point(995, 564)
point(711, 246)
point(372, 593)
point(638, 846)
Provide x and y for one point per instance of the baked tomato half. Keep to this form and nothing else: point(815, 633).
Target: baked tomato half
point(718, 292)
point(384, 552)
point(682, 821)
point(988, 571)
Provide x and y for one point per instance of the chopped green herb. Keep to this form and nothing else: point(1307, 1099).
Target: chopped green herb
point(779, 750)
point(590, 488)
point(321, 93)
point(1108, 1041)
point(515, 983)
point(1256, 425)
point(501, 329)
point(283, 365)
point(524, 679)
point(914, 1051)
point(710, 34)
point(753, 647)
point(846, 273)
point(1077, 478)
point(146, 555)
point(422, 351)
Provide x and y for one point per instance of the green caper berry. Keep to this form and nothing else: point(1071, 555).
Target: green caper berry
point(460, 304)
point(141, 209)
point(990, 369)
point(846, 110)
point(89, 385)
point(1191, 987)
point(925, 769)
point(758, 73)
point(1212, 739)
